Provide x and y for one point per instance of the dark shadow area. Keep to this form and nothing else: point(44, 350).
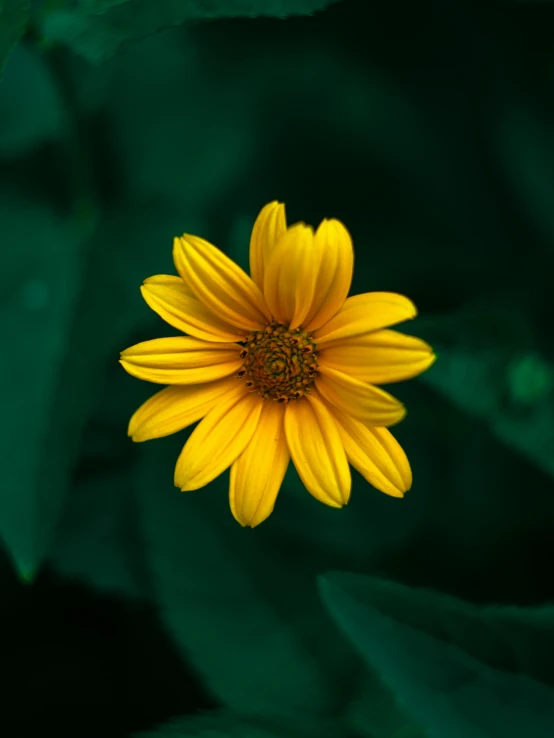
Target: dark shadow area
point(77, 662)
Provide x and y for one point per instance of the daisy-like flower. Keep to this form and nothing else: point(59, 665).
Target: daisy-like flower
point(279, 365)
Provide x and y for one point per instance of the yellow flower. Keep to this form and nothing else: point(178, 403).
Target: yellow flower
point(280, 365)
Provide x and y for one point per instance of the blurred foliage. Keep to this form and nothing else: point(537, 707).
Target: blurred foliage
point(492, 366)
point(13, 17)
point(435, 653)
point(428, 129)
point(37, 339)
point(227, 724)
point(98, 28)
point(31, 109)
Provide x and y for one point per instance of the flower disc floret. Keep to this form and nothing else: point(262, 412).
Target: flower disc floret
point(279, 363)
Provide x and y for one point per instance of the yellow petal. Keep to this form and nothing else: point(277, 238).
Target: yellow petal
point(175, 303)
point(257, 474)
point(376, 454)
point(289, 281)
point(367, 312)
point(308, 275)
point(220, 284)
point(176, 407)
point(334, 252)
point(181, 360)
point(361, 400)
point(270, 225)
point(317, 451)
point(379, 357)
point(218, 440)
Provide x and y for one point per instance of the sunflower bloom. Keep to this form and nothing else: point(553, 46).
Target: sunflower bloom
point(278, 365)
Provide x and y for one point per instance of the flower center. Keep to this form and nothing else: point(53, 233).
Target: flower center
point(279, 363)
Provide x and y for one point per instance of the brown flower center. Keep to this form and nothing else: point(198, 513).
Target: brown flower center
point(279, 363)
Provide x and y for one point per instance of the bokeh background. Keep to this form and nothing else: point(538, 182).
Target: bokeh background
point(125, 606)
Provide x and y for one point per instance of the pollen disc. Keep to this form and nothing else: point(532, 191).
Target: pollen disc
point(279, 363)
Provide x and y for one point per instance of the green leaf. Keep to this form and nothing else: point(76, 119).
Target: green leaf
point(491, 367)
point(227, 724)
point(165, 151)
point(98, 28)
point(526, 158)
point(97, 539)
point(446, 660)
point(30, 106)
point(67, 307)
point(13, 20)
point(375, 713)
point(214, 604)
point(39, 281)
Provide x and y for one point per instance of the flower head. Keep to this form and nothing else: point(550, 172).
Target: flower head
point(280, 365)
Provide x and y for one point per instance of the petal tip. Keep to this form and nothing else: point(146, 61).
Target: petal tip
point(273, 205)
point(397, 494)
point(411, 310)
point(301, 226)
point(429, 361)
point(129, 367)
point(332, 223)
point(401, 414)
point(345, 499)
point(146, 291)
point(178, 481)
point(187, 239)
point(250, 521)
point(183, 483)
point(243, 522)
point(334, 503)
point(148, 286)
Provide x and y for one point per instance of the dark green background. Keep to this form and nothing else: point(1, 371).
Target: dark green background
point(125, 606)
